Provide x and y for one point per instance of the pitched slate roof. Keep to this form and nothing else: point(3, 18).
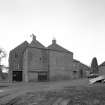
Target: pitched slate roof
point(102, 64)
point(74, 60)
point(21, 47)
point(18, 51)
point(55, 47)
point(36, 43)
point(82, 64)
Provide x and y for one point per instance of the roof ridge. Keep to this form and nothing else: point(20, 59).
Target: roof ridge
point(36, 43)
point(58, 48)
point(102, 64)
point(25, 42)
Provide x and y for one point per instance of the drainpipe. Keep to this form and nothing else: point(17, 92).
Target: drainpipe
point(48, 66)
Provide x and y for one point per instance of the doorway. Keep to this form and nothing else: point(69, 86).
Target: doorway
point(17, 76)
point(42, 76)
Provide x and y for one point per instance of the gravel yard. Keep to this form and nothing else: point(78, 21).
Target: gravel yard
point(67, 95)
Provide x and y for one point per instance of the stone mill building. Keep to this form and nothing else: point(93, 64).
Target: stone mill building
point(35, 62)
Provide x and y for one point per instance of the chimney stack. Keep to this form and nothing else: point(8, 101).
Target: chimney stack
point(54, 41)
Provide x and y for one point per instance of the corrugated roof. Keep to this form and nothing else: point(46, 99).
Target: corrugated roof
point(57, 47)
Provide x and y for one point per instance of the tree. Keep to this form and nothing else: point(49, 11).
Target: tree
point(94, 66)
point(2, 54)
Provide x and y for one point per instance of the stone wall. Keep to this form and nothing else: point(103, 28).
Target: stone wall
point(60, 65)
point(80, 70)
point(35, 60)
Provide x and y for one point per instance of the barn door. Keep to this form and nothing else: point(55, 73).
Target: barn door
point(42, 76)
point(17, 76)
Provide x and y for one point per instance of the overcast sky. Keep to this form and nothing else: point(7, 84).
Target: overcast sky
point(77, 25)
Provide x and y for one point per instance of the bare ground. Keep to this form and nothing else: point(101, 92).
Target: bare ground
point(54, 93)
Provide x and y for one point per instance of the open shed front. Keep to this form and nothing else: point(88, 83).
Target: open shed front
point(17, 76)
point(34, 76)
point(42, 76)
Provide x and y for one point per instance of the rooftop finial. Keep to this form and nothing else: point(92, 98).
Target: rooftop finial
point(33, 36)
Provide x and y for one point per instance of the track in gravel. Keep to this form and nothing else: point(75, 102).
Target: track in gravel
point(82, 95)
